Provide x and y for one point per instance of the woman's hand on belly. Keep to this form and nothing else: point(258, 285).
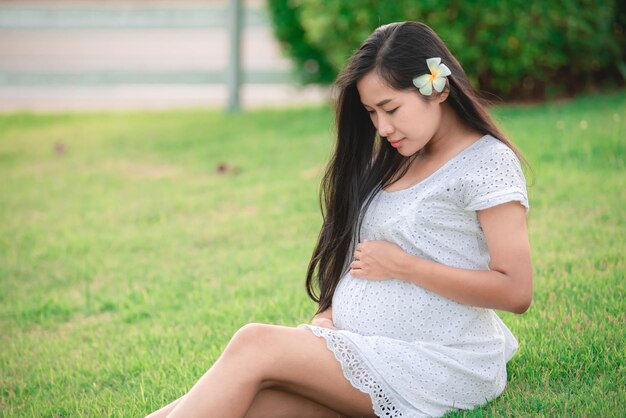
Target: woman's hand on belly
point(376, 260)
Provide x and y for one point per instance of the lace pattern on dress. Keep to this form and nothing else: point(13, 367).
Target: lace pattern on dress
point(358, 374)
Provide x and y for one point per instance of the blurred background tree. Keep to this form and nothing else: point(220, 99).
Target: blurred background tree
point(516, 49)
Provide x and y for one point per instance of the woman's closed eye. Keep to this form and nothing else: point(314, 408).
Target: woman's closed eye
point(389, 112)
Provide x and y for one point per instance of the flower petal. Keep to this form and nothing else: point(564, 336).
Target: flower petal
point(433, 64)
point(427, 89)
point(439, 84)
point(444, 71)
point(421, 80)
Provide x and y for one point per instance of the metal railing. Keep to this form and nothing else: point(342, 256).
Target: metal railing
point(232, 18)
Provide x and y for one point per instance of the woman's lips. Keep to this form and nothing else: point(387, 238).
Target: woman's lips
point(397, 143)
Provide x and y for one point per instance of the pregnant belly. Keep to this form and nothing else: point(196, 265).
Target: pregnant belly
point(400, 310)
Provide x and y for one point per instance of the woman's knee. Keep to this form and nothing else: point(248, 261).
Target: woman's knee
point(250, 339)
point(261, 347)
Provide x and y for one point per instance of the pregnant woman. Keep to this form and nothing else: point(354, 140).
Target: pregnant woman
point(424, 233)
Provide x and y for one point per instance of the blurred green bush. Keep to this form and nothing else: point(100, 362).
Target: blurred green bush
point(516, 49)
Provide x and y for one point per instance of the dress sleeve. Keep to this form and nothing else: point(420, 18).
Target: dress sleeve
point(496, 179)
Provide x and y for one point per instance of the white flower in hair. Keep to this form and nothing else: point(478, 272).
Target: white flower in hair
point(436, 78)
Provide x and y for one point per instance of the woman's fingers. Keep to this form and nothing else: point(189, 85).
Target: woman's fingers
point(324, 323)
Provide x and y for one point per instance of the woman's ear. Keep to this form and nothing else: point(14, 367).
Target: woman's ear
point(444, 94)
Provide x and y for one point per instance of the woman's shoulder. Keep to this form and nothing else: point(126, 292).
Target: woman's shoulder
point(494, 175)
point(490, 144)
point(489, 153)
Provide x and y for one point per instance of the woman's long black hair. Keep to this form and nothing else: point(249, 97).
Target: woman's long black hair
point(362, 162)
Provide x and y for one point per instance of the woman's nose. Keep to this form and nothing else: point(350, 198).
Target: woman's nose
point(384, 127)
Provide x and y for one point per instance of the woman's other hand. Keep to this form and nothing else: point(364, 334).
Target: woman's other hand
point(324, 319)
point(376, 260)
point(323, 322)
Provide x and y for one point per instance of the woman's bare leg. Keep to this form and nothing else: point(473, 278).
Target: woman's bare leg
point(261, 357)
point(164, 411)
point(271, 403)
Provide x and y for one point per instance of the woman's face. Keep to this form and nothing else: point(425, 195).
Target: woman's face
point(401, 117)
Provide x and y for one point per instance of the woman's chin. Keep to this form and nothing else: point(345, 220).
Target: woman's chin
point(407, 152)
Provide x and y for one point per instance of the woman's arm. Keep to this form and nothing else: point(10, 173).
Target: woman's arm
point(506, 286)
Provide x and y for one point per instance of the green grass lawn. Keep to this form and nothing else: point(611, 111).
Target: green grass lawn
point(133, 245)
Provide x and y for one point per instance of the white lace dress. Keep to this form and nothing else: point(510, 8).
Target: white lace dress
point(414, 352)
